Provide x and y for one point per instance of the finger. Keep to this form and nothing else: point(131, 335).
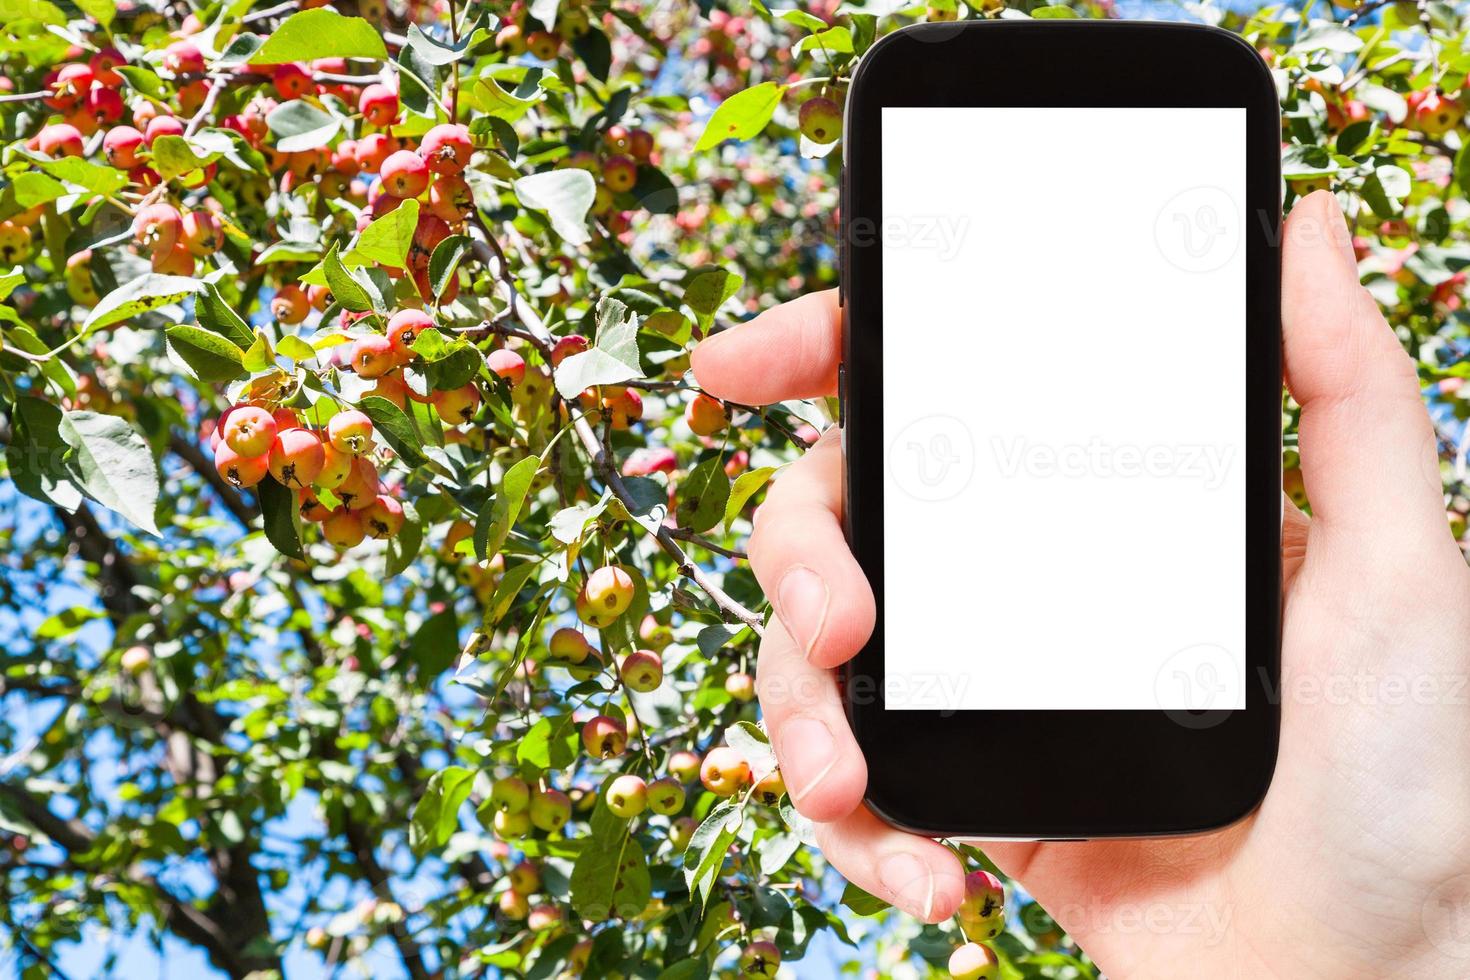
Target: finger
point(916, 874)
point(821, 764)
point(1294, 531)
point(801, 558)
point(1367, 446)
point(791, 351)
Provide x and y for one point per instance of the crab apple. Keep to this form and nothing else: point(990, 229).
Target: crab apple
point(447, 148)
point(192, 96)
point(820, 120)
point(514, 905)
point(543, 45)
point(550, 810)
point(507, 364)
point(640, 144)
point(604, 737)
point(457, 405)
point(296, 457)
point(543, 917)
point(610, 589)
point(60, 140)
point(770, 788)
point(343, 528)
point(120, 146)
point(1432, 113)
point(136, 659)
point(427, 234)
point(104, 105)
point(644, 461)
point(681, 832)
point(624, 406)
point(337, 466)
point(183, 58)
point(705, 415)
point(309, 507)
point(15, 241)
point(619, 173)
point(616, 138)
point(292, 81)
point(373, 357)
point(627, 796)
point(684, 765)
point(570, 645)
point(285, 419)
point(665, 796)
point(973, 962)
point(511, 39)
point(404, 328)
point(317, 938)
point(642, 671)
point(73, 82)
point(79, 285)
point(201, 232)
point(404, 174)
point(240, 471)
point(450, 198)
point(290, 304)
point(510, 794)
point(373, 149)
point(383, 518)
point(572, 343)
point(378, 104)
point(162, 126)
point(157, 227)
point(360, 488)
point(760, 959)
point(104, 65)
point(351, 431)
point(982, 912)
point(250, 430)
point(723, 771)
point(511, 826)
point(177, 261)
point(740, 686)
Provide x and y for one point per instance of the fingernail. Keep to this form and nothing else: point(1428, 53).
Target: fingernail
point(808, 753)
point(909, 882)
point(803, 598)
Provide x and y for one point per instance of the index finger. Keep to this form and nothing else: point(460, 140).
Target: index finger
point(791, 351)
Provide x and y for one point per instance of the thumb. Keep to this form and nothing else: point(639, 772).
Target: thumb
point(1367, 445)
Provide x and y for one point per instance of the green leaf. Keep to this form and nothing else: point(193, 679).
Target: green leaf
point(210, 356)
point(89, 176)
point(281, 517)
point(40, 11)
point(611, 879)
point(293, 347)
point(704, 857)
point(28, 189)
point(143, 80)
point(346, 291)
point(102, 11)
point(438, 54)
point(436, 815)
point(860, 902)
point(703, 495)
point(36, 455)
point(388, 239)
point(217, 316)
point(320, 33)
point(595, 50)
point(404, 546)
point(497, 103)
point(395, 428)
point(833, 40)
point(147, 292)
point(706, 290)
point(445, 260)
point(435, 643)
point(113, 465)
point(565, 195)
point(299, 125)
point(507, 506)
point(742, 115)
point(747, 739)
point(10, 280)
point(746, 486)
point(612, 359)
point(175, 156)
point(261, 354)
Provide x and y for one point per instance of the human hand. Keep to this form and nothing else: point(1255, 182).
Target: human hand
point(1359, 858)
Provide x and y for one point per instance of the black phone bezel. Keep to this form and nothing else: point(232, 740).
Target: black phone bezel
point(1064, 774)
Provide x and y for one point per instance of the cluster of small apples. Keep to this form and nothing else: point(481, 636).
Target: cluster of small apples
point(381, 358)
point(518, 807)
point(982, 917)
point(331, 470)
point(615, 166)
point(523, 34)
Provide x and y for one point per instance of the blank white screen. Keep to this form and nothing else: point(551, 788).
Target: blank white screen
point(1064, 417)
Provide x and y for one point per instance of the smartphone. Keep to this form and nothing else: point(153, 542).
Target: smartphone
point(1061, 405)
